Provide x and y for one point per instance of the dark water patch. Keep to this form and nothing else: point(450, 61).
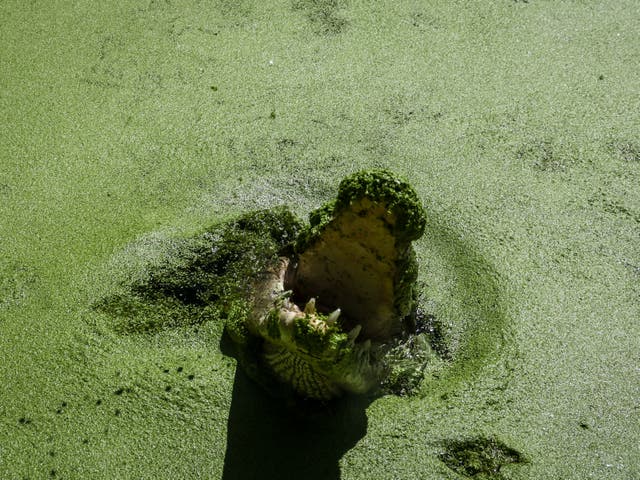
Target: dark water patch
point(626, 150)
point(410, 355)
point(108, 71)
point(617, 208)
point(422, 21)
point(286, 146)
point(604, 202)
point(543, 155)
point(479, 458)
point(401, 117)
point(436, 331)
point(635, 269)
point(323, 15)
point(236, 12)
point(406, 362)
point(401, 109)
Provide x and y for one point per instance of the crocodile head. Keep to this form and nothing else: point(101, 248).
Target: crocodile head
point(327, 313)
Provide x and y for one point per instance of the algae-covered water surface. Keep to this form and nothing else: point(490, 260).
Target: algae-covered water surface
point(133, 132)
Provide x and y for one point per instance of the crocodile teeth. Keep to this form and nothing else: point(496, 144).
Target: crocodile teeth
point(287, 317)
point(310, 308)
point(333, 317)
point(353, 334)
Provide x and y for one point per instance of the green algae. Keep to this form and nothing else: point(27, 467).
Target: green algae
point(480, 458)
point(113, 131)
point(206, 276)
point(385, 187)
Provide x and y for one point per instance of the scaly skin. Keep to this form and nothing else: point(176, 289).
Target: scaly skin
point(307, 350)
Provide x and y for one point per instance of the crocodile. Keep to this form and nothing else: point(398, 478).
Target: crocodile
point(326, 315)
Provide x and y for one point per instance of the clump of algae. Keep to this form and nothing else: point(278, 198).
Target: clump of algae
point(204, 276)
point(480, 458)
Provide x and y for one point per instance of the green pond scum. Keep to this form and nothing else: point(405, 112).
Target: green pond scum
point(164, 163)
point(204, 275)
point(481, 458)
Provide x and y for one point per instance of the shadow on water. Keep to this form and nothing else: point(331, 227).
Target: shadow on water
point(267, 438)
